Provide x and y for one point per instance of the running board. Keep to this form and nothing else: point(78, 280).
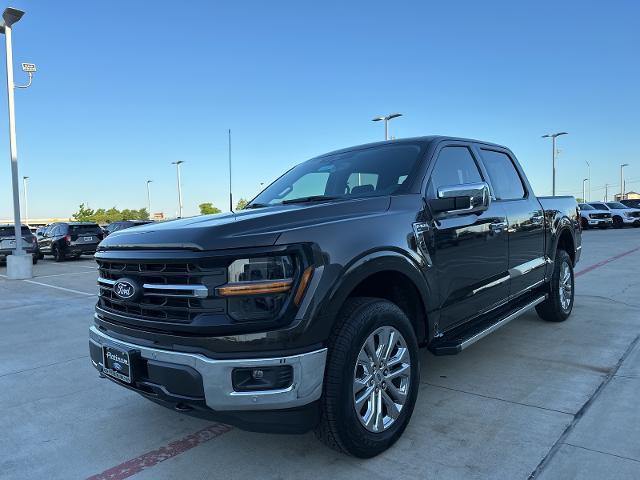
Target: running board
point(460, 339)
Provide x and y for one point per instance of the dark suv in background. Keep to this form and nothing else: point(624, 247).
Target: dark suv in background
point(70, 239)
point(8, 241)
point(121, 225)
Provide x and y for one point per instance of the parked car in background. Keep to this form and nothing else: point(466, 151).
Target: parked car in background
point(8, 241)
point(306, 309)
point(621, 214)
point(70, 239)
point(632, 202)
point(123, 224)
point(591, 217)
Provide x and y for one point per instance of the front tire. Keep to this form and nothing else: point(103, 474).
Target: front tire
point(585, 223)
point(557, 307)
point(371, 379)
point(618, 222)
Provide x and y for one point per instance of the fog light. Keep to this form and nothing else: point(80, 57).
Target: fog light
point(263, 378)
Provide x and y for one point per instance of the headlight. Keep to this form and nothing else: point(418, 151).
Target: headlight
point(258, 287)
point(627, 214)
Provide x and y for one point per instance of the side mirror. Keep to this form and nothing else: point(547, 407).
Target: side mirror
point(462, 199)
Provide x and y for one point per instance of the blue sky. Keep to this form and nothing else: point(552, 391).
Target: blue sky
point(125, 88)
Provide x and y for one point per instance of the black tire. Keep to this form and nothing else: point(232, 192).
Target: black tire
point(617, 222)
point(552, 309)
point(340, 426)
point(58, 256)
point(584, 223)
point(35, 259)
point(40, 256)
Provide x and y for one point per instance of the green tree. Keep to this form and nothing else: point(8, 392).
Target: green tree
point(241, 204)
point(84, 214)
point(208, 209)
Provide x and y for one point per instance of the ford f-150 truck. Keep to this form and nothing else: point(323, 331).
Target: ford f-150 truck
point(306, 309)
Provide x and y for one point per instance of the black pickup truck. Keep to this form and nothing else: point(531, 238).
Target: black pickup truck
point(306, 309)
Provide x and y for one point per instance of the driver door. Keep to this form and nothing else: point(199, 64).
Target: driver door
point(469, 251)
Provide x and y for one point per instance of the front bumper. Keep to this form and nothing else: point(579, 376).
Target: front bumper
point(600, 221)
point(631, 220)
point(213, 378)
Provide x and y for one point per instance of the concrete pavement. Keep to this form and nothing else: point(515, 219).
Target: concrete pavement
point(531, 400)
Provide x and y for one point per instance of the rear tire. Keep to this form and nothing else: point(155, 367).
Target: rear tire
point(557, 307)
point(364, 380)
point(58, 256)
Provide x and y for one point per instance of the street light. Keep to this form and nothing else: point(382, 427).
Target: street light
point(386, 122)
point(149, 197)
point(622, 180)
point(19, 264)
point(26, 199)
point(589, 177)
point(584, 194)
point(177, 164)
point(553, 137)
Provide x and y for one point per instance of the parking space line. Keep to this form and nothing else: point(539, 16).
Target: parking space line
point(62, 274)
point(152, 458)
point(604, 262)
point(61, 288)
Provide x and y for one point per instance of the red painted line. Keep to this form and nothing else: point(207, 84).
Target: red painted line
point(150, 459)
point(604, 262)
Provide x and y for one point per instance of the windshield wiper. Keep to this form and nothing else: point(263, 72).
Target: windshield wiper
point(256, 205)
point(312, 198)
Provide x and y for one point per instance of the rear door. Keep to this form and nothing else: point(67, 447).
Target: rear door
point(469, 250)
point(525, 217)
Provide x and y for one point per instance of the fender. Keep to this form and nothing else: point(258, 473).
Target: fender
point(369, 264)
point(558, 226)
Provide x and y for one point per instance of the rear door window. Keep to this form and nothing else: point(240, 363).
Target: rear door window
point(506, 182)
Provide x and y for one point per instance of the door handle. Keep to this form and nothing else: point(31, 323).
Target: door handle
point(497, 226)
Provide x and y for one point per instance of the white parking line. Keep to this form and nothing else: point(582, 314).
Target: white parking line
point(62, 274)
point(61, 288)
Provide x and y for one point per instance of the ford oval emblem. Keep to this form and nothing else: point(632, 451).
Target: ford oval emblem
point(124, 289)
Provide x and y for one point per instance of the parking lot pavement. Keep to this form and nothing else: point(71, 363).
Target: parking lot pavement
point(532, 400)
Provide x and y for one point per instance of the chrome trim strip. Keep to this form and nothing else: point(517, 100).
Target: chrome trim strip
point(491, 284)
point(308, 375)
point(197, 291)
point(501, 323)
point(527, 267)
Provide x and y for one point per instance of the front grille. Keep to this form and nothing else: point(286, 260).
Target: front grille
point(634, 214)
point(159, 303)
point(600, 215)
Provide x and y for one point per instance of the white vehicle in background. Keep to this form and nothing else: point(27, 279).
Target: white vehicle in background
point(594, 217)
point(621, 214)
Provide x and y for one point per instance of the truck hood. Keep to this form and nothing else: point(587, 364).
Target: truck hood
point(259, 227)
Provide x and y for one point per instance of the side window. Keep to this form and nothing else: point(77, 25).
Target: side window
point(454, 166)
point(507, 184)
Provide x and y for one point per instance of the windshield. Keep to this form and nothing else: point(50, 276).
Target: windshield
point(599, 206)
point(616, 205)
point(368, 172)
point(10, 231)
point(584, 206)
point(84, 229)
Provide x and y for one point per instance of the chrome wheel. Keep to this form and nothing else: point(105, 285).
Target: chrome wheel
point(382, 375)
point(566, 286)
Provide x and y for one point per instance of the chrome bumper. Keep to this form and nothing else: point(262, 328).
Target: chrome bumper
point(308, 375)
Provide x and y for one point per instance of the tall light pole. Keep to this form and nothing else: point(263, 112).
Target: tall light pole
point(26, 199)
point(622, 180)
point(19, 263)
point(606, 192)
point(177, 164)
point(584, 191)
point(386, 119)
point(230, 191)
point(589, 178)
point(149, 197)
point(553, 137)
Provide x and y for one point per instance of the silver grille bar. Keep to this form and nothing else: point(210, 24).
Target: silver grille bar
point(162, 290)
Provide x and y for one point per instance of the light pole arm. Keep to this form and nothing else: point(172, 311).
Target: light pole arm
point(28, 84)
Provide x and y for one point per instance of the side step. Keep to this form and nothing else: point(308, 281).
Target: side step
point(466, 335)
